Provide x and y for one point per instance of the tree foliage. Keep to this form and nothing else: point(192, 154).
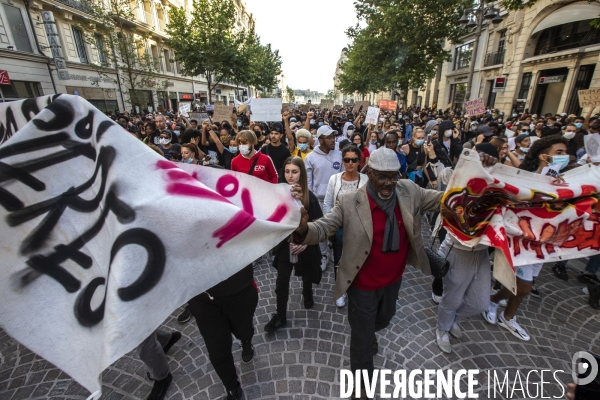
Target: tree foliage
point(290, 94)
point(205, 43)
point(122, 50)
point(402, 44)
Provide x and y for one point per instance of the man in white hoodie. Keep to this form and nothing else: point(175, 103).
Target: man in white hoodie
point(321, 164)
point(347, 132)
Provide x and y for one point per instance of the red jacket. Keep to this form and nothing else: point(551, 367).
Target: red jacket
point(264, 168)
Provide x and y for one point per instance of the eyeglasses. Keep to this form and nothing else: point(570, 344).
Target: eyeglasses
point(384, 178)
point(353, 160)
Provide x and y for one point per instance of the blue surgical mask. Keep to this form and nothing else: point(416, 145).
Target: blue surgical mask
point(524, 149)
point(321, 123)
point(419, 142)
point(233, 149)
point(188, 161)
point(561, 161)
point(303, 146)
point(579, 125)
point(239, 123)
point(314, 137)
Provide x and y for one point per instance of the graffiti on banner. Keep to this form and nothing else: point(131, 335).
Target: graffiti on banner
point(78, 226)
point(523, 214)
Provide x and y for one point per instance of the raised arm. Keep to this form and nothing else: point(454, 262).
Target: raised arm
point(288, 131)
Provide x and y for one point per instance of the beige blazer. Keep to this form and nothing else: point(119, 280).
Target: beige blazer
point(353, 213)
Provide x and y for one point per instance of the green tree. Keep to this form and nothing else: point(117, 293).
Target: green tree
point(122, 51)
point(402, 43)
point(330, 94)
point(290, 94)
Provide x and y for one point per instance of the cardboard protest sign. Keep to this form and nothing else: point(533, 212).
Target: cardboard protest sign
point(198, 116)
point(589, 97)
point(475, 107)
point(523, 214)
point(364, 104)
point(89, 254)
point(383, 104)
point(222, 113)
point(372, 115)
point(184, 108)
point(266, 110)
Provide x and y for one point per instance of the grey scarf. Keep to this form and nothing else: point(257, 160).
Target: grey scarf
point(391, 236)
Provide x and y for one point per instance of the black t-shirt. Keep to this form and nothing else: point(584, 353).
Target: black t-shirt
point(225, 158)
point(278, 154)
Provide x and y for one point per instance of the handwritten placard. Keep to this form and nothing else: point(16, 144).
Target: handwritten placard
point(222, 113)
point(184, 108)
point(372, 115)
point(364, 104)
point(475, 107)
point(589, 97)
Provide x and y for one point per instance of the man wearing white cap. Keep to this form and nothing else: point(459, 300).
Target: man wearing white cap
point(321, 164)
point(384, 237)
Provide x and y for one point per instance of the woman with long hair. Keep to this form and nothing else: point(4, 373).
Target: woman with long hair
point(191, 154)
point(356, 139)
point(347, 181)
point(416, 158)
point(308, 258)
point(374, 142)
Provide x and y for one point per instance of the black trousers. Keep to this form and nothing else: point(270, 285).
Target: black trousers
point(369, 311)
point(217, 319)
point(282, 285)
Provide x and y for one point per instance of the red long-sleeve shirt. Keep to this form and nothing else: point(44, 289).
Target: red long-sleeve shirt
point(382, 269)
point(264, 168)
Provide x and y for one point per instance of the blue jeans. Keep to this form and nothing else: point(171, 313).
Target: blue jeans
point(593, 264)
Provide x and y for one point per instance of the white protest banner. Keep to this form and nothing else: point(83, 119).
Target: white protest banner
point(523, 214)
point(592, 146)
point(209, 107)
point(475, 107)
point(184, 108)
point(199, 117)
point(589, 97)
point(266, 110)
point(372, 115)
point(89, 254)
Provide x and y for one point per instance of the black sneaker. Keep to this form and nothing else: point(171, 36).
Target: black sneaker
point(535, 292)
point(308, 299)
point(235, 394)
point(159, 390)
point(275, 323)
point(560, 271)
point(594, 296)
point(175, 336)
point(185, 315)
point(588, 279)
point(247, 351)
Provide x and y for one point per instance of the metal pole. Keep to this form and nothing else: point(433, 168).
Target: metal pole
point(479, 17)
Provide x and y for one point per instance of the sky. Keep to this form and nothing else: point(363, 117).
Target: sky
point(309, 34)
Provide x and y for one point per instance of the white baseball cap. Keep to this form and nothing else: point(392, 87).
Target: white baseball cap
point(325, 130)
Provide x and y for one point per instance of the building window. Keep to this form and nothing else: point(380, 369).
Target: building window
point(525, 83)
point(155, 58)
point(167, 57)
point(17, 27)
point(502, 42)
point(457, 94)
point(80, 44)
point(19, 90)
point(567, 36)
point(462, 56)
point(101, 49)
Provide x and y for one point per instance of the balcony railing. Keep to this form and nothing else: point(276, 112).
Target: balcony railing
point(162, 25)
point(147, 17)
point(76, 4)
point(494, 59)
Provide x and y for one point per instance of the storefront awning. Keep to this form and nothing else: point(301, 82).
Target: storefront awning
point(579, 11)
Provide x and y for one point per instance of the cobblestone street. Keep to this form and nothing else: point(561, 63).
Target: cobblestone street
point(303, 360)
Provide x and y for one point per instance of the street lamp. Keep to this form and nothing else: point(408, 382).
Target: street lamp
point(474, 18)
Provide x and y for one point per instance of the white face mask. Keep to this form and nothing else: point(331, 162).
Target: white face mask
point(448, 133)
point(509, 133)
point(244, 149)
point(165, 141)
point(569, 135)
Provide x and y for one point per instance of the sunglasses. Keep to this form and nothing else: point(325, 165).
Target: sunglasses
point(352, 160)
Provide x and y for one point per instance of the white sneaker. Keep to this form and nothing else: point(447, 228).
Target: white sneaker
point(341, 302)
point(324, 261)
point(456, 331)
point(513, 327)
point(491, 314)
point(503, 303)
point(443, 341)
point(436, 299)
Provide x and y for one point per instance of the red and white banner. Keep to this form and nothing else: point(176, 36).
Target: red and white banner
point(524, 214)
point(102, 238)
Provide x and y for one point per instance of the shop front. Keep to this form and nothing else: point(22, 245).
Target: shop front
point(18, 90)
point(103, 99)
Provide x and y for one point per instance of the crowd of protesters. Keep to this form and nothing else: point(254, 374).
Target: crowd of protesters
point(339, 162)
